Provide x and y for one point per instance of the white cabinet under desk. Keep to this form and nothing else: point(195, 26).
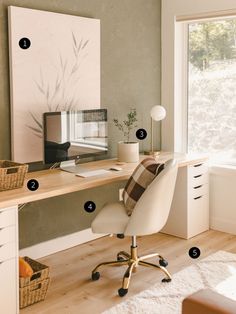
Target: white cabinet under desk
point(9, 260)
point(189, 214)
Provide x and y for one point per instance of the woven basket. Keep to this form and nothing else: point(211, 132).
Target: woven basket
point(33, 289)
point(12, 175)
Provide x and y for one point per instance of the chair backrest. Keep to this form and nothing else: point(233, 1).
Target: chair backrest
point(152, 209)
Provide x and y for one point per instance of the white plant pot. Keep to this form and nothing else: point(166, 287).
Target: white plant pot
point(128, 152)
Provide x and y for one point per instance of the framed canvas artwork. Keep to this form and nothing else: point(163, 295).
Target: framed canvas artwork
point(54, 66)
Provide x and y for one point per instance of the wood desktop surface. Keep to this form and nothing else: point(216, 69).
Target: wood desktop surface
point(55, 182)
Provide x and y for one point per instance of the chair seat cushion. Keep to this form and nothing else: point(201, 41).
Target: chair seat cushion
point(112, 218)
point(142, 176)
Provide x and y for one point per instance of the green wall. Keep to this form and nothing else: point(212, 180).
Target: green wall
point(130, 77)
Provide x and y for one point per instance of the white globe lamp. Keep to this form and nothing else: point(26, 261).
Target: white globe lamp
point(157, 113)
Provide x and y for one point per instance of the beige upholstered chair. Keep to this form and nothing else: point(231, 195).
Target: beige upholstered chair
point(149, 216)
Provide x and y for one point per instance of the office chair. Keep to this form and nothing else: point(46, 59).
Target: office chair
point(149, 216)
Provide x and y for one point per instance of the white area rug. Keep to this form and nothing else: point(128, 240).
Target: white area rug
point(217, 272)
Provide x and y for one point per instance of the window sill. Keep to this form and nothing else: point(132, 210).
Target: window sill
point(222, 169)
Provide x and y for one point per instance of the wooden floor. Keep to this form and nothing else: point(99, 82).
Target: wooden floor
point(72, 292)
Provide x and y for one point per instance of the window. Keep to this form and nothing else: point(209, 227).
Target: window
point(212, 89)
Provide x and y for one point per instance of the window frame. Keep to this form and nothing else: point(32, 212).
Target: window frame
point(174, 97)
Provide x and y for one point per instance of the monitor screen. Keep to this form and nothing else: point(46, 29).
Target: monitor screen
point(74, 134)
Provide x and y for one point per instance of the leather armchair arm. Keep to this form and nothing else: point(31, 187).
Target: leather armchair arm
point(207, 301)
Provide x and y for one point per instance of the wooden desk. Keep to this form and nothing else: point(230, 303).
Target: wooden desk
point(56, 182)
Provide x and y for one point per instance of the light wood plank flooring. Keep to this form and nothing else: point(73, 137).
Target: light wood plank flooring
point(72, 292)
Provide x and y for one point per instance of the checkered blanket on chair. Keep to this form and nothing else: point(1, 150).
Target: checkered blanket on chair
point(142, 176)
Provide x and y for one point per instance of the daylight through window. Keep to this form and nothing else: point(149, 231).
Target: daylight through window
point(212, 89)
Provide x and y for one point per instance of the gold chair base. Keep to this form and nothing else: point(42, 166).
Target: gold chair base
point(132, 261)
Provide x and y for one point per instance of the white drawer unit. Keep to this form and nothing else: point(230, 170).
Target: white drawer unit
point(189, 214)
point(198, 215)
point(7, 234)
point(9, 260)
point(7, 251)
point(8, 273)
point(198, 179)
point(198, 190)
point(7, 217)
point(197, 169)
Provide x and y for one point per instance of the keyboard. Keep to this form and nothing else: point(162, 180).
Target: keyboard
point(91, 173)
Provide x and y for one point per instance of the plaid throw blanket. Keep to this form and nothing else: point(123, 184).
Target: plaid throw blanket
point(142, 176)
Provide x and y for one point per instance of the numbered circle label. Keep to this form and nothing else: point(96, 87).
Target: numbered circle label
point(194, 252)
point(24, 43)
point(141, 134)
point(33, 185)
point(89, 206)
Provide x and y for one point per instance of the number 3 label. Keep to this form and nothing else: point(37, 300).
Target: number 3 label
point(141, 134)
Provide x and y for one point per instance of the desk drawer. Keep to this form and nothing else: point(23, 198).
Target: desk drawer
point(7, 234)
point(198, 215)
point(198, 179)
point(198, 190)
point(7, 217)
point(7, 251)
point(8, 288)
point(198, 169)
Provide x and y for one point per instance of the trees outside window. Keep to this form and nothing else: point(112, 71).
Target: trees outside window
point(212, 89)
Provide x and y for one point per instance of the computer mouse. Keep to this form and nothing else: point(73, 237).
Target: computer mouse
point(115, 168)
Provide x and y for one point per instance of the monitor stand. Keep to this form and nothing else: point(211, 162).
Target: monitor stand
point(70, 166)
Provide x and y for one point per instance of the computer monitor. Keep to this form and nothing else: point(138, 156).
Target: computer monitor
point(69, 135)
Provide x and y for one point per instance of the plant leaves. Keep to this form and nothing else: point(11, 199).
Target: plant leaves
point(48, 92)
point(36, 121)
point(34, 129)
point(40, 87)
point(74, 39)
point(80, 44)
point(85, 44)
point(57, 106)
point(40, 136)
point(75, 52)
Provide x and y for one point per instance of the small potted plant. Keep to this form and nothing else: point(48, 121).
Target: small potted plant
point(128, 151)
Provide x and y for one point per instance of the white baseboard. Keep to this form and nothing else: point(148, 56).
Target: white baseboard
point(59, 244)
point(228, 226)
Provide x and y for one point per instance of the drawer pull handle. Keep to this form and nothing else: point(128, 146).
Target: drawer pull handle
point(196, 198)
point(198, 176)
point(198, 165)
point(36, 287)
point(197, 187)
point(12, 170)
point(35, 276)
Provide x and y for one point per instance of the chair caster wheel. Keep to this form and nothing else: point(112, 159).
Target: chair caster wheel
point(166, 279)
point(122, 292)
point(95, 276)
point(163, 263)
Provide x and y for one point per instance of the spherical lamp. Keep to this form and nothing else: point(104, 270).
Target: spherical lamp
point(157, 113)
